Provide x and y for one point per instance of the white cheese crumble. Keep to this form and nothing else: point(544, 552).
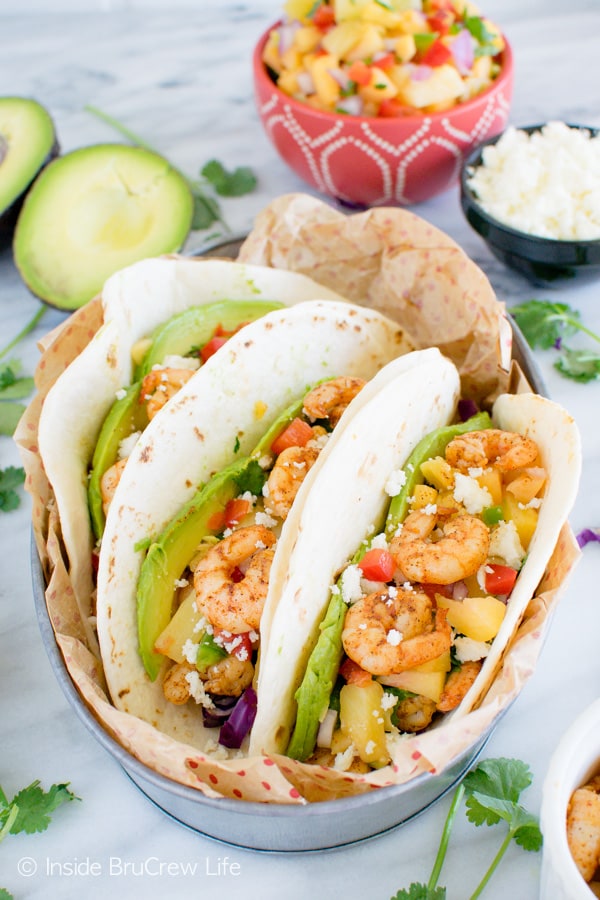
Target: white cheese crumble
point(468, 650)
point(468, 492)
point(343, 761)
point(190, 651)
point(127, 444)
point(369, 747)
point(546, 183)
point(379, 542)
point(181, 582)
point(120, 393)
point(388, 701)
point(505, 544)
point(394, 637)
point(174, 361)
point(395, 482)
point(534, 503)
point(350, 584)
point(263, 518)
point(197, 690)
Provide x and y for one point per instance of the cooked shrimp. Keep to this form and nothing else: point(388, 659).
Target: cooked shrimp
point(330, 399)
point(288, 473)
point(457, 684)
point(176, 687)
point(109, 482)
point(387, 634)
point(492, 447)
point(583, 828)
point(229, 677)
point(414, 713)
point(461, 550)
point(159, 385)
point(235, 606)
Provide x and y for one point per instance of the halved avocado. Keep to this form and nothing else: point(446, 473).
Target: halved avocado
point(27, 143)
point(94, 211)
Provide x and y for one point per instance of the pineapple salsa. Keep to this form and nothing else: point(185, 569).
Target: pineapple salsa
point(413, 616)
point(383, 57)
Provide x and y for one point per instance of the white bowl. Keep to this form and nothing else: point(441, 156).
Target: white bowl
point(574, 761)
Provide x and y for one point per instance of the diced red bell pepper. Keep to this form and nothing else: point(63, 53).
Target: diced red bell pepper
point(217, 521)
point(297, 434)
point(377, 565)
point(388, 61)
point(211, 347)
point(324, 17)
point(352, 673)
point(390, 108)
point(431, 590)
point(360, 73)
point(436, 55)
point(441, 21)
point(238, 645)
point(500, 580)
point(235, 510)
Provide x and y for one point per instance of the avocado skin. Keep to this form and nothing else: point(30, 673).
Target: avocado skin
point(315, 689)
point(48, 150)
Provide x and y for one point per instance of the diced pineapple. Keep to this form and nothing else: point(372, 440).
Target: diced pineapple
point(340, 741)
point(527, 484)
point(423, 495)
point(371, 43)
point(288, 83)
point(298, 9)
point(443, 84)
point(492, 480)
point(478, 618)
point(341, 39)
point(180, 629)
point(525, 520)
point(307, 38)
point(448, 501)
point(326, 87)
point(413, 22)
point(497, 39)
point(362, 719)
point(438, 472)
point(381, 87)
point(348, 9)
point(429, 684)
point(465, 8)
point(441, 663)
point(291, 59)
point(271, 55)
point(379, 15)
point(405, 47)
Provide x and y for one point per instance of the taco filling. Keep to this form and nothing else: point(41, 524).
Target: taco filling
point(413, 616)
point(204, 581)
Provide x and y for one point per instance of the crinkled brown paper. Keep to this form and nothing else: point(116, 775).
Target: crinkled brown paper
point(387, 259)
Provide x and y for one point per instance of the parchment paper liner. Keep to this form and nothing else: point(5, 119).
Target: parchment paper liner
point(387, 259)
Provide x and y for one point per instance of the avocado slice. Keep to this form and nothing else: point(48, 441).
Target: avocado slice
point(180, 335)
point(312, 696)
point(27, 142)
point(94, 211)
point(169, 555)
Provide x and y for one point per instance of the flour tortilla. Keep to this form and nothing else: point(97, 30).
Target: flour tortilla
point(372, 447)
point(136, 301)
point(265, 367)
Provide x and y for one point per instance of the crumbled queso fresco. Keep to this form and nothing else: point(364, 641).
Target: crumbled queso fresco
point(546, 184)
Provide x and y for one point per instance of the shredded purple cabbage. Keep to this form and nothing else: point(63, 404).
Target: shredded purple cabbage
point(240, 721)
point(586, 536)
point(466, 409)
point(214, 718)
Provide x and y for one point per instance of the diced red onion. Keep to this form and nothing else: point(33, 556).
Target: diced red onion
point(352, 105)
point(466, 409)
point(420, 73)
point(286, 35)
point(240, 721)
point(305, 83)
point(326, 729)
point(342, 78)
point(459, 590)
point(463, 52)
point(213, 718)
point(587, 536)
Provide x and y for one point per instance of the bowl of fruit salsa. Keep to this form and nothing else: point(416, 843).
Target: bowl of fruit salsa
point(378, 102)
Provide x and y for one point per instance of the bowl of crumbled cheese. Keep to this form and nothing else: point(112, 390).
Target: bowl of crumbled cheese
point(533, 194)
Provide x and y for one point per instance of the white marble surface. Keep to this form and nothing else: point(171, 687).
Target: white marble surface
point(182, 80)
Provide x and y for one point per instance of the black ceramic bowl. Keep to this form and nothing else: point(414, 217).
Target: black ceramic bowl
point(543, 261)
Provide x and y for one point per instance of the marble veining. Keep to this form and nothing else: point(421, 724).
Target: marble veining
point(180, 76)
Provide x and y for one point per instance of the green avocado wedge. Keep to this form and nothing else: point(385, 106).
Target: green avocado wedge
point(171, 552)
point(94, 211)
point(27, 143)
point(312, 696)
point(182, 335)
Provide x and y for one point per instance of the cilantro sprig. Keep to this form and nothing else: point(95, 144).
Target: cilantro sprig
point(213, 179)
point(492, 792)
point(547, 325)
point(14, 386)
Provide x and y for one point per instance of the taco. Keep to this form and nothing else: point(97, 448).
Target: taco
point(208, 485)
point(168, 312)
point(411, 626)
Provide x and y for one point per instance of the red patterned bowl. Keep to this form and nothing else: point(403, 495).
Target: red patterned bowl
point(366, 161)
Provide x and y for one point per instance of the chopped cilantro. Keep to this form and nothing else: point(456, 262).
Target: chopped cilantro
point(10, 478)
point(492, 792)
point(229, 184)
point(30, 809)
point(251, 479)
point(236, 446)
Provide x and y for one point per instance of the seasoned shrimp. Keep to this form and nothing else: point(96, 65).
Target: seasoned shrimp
point(109, 482)
point(176, 687)
point(457, 684)
point(229, 677)
point(387, 634)
point(235, 606)
point(461, 550)
point(414, 713)
point(492, 447)
point(583, 828)
point(330, 399)
point(159, 385)
point(286, 476)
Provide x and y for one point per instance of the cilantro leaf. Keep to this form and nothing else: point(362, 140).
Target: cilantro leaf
point(10, 413)
point(5, 895)
point(544, 323)
point(418, 891)
point(499, 778)
point(206, 210)
point(580, 365)
point(229, 184)
point(251, 479)
point(10, 478)
point(35, 806)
